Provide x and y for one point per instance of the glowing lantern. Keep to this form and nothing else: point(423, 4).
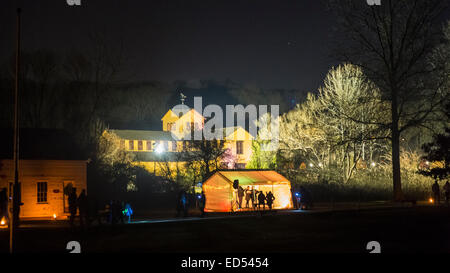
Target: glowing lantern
point(3, 222)
point(431, 200)
point(54, 216)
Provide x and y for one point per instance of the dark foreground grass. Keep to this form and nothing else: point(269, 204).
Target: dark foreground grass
point(412, 230)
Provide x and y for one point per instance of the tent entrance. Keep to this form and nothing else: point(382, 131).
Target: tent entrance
point(281, 192)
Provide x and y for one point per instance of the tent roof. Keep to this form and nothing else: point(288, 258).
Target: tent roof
point(251, 177)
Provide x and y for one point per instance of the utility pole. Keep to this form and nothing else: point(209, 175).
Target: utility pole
point(15, 202)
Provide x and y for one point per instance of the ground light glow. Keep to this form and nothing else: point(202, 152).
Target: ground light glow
point(431, 200)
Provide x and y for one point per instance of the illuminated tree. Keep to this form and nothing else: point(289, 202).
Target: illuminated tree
point(114, 162)
point(325, 129)
point(349, 110)
point(262, 159)
point(393, 44)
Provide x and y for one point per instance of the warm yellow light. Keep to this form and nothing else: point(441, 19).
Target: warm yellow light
point(54, 216)
point(3, 221)
point(431, 200)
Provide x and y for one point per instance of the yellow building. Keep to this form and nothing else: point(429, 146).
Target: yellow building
point(152, 148)
point(49, 162)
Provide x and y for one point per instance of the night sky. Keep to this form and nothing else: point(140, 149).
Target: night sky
point(271, 44)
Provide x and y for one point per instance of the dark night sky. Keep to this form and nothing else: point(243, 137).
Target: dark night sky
point(272, 44)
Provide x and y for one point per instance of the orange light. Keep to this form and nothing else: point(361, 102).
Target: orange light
point(431, 200)
point(3, 222)
point(54, 216)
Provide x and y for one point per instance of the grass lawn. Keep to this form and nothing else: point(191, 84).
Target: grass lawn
point(420, 229)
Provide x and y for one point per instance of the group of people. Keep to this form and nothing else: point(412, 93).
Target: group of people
point(183, 201)
point(115, 212)
point(255, 198)
point(437, 192)
point(78, 202)
point(302, 198)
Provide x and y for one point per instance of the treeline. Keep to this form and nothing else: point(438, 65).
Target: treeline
point(339, 141)
point(86, 92)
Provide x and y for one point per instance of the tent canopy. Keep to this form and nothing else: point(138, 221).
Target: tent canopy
point(248, 178)
point(221, 196)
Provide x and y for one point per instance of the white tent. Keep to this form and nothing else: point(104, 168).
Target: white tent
point(221, 196)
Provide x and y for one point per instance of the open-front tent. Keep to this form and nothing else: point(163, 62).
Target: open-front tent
point(222, 197)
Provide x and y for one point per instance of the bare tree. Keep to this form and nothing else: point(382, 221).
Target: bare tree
point(208, 153)
point(92, 74)
point(325, 128)
point(393, 43)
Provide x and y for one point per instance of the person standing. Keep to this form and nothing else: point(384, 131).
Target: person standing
point(72, 199)
point(240, 196)
point(83, 207)
point(202, 204)
point(261, 200)
point(269, 199)
point(128, 211)
point(254, 198)
point(446, 189)
point(436, 192)
point(185, 201)
point(306, 201)
point(248, 194)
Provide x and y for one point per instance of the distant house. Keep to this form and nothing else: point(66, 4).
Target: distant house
point(151, 147)
point(49, 162)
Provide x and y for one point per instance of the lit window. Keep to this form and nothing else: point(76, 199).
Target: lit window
point(122, 144)
point(140, 145)
point(239, 147)
point(42, 192)
point(131, 145)
point(174, 146)
point(149, 145)
point(171, 126)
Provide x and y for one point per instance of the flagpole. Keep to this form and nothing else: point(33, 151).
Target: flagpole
point(14, 217)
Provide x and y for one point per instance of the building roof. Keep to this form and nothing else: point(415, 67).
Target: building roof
point(162, 135)
point(45, 144)
point(143, 134)
point(184, 109)
point(227, 131)
point(251, 177)
point(164, 157)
